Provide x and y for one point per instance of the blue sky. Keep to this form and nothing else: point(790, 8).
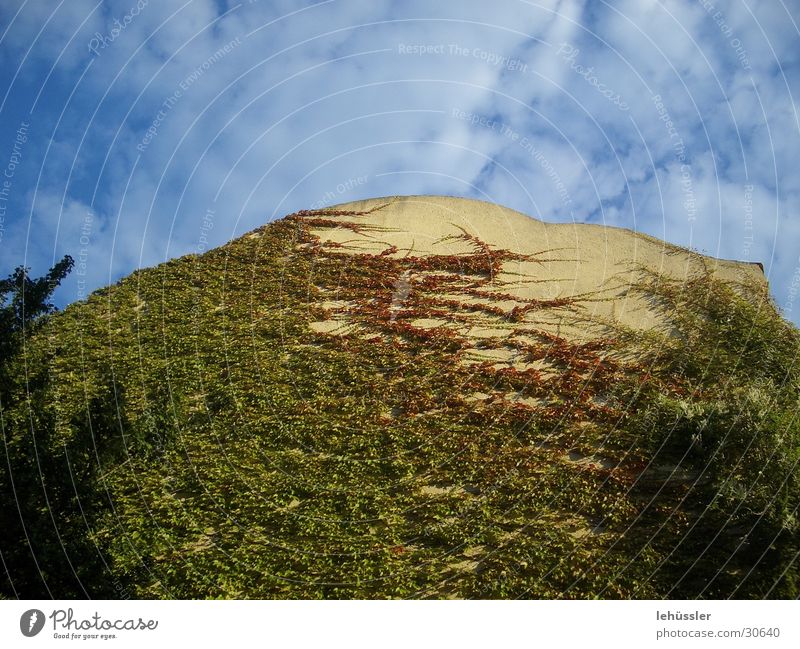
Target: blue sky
point(134, 131)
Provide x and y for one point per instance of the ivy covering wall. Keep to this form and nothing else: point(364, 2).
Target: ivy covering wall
point(186, 434)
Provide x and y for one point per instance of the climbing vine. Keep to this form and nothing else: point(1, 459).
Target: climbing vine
point(292, 416)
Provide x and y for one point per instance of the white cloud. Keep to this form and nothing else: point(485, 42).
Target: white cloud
point(315, 96)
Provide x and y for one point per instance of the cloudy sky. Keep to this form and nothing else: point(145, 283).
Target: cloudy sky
point(134, 131)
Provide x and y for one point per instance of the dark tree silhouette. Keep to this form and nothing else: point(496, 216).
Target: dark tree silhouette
point(24, 301)
point(33, 480)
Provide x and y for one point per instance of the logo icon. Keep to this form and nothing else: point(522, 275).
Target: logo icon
point(31, 622)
